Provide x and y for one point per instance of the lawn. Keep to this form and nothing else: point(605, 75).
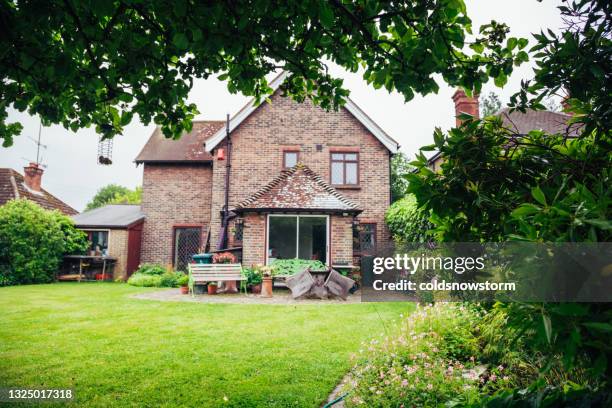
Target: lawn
point(117, 351)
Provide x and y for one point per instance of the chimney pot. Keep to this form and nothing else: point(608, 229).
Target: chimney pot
point(32, 176)
point(465, 104)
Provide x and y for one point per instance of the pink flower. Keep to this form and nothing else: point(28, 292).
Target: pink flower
point(429, 386)
point(472, 359)
point(404, 383)
point(500, 368)
point(493, 377)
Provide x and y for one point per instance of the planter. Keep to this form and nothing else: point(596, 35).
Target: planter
point(266, 286)
point(212, 289)
point(184, 290)
point(256, 289)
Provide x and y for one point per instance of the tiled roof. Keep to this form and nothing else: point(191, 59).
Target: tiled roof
point(188, 148)
point(110, 216)
point(548, 121)
point(298, 189)
point(12, 186)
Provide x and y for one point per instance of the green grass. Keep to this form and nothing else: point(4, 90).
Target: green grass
point(117, 351)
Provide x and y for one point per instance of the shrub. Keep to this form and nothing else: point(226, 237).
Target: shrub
point(294, 266)
point(168, 279)
point(33, 241)
point(151, 269)
point(408, 223)
point(140, 279)
point(428, 362)
point(182, 280)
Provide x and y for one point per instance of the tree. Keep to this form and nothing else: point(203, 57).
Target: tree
point(495, 185)
point(490, 104)
point(100, 63)
point(33, 241)
point(399, 168)
point(106, 195)
point(130, 197)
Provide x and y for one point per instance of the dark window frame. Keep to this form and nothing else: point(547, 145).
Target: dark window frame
point(344, 161)
point(173, 238)
point(297, 159)
point(373, 232)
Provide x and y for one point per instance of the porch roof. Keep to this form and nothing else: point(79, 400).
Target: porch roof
point(298, 189)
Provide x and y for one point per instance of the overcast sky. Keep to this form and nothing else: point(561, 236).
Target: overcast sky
point(73, 174)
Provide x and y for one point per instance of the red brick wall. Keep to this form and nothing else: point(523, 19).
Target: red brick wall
point(341, 239)
point(254, 239)
point(172, 195)
point(257, 156)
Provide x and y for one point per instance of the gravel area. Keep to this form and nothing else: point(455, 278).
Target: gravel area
point(281, 297)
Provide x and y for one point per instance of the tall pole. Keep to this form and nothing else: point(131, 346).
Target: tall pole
point(38, 143)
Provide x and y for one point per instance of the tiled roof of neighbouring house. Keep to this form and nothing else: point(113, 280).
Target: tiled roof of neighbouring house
point(12, 186)
point(110, 216)
point(548, 121)
point(186, 149)
point(298, 189)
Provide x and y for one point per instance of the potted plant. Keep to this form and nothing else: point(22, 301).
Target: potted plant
point(211, 287)
point(254, 277)
point(267, 276)
point(183, 282)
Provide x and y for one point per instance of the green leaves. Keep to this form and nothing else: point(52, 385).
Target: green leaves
point(538, 194)
point(141, 58)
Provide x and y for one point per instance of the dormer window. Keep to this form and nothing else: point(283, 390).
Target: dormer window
point(290, 158)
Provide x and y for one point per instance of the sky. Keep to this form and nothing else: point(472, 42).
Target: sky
point(73, 175)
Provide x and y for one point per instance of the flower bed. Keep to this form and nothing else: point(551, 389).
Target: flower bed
point(433, 359)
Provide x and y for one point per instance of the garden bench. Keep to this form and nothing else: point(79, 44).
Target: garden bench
point(204, 273)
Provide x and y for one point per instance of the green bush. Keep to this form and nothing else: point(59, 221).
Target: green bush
point(140, 279)
point(408, 223)
point(295, 266)
point(33, 241)
point(168, 279)
point(151, 269)
point(431, 359)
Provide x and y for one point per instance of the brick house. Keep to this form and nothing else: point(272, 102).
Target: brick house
point(520, 123)
point(303, 182)
point(14, 186)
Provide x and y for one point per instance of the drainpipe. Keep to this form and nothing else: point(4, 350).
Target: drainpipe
point(228, 165)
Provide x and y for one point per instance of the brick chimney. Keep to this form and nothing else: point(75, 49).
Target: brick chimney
point(465, 104)
point(32, 176)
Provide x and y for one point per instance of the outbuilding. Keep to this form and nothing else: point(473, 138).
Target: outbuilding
point(114, 230)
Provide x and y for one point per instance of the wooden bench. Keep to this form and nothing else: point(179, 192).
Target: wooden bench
point(204, 273)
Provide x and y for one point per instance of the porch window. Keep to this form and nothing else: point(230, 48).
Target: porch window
point(186, 243)
point(344, 169)
point(290, 158)
point(364, 237)
point(297, 236)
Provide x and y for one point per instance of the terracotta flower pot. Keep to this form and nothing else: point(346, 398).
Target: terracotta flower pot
point(184, 290)
point(212, 289)
point(266, 290)
point(256, 289)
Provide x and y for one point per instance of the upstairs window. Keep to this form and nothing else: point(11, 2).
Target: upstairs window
point(344, 169)
point(290, 158)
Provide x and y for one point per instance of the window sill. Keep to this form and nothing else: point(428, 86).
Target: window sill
point(347, 187)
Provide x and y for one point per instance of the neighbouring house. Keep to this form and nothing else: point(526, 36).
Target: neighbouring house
point(114, 230)
point(15, 186)
point(282, 180)
point(518, 122)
